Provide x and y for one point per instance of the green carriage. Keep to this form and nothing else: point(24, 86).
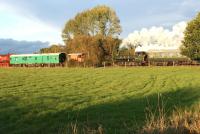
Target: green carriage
point(38, 59)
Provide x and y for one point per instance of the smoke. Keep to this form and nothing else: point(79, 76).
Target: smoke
point(156, 38)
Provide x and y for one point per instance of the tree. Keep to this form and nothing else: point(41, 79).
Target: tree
point(101, 20)
point(53, 49)
point(89, 46)
point(111, 47)
point(191, 42)
point(94, 32)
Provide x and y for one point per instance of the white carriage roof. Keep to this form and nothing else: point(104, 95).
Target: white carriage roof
point(18, 55)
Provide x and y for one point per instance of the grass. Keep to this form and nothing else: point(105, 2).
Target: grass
point(112, 100)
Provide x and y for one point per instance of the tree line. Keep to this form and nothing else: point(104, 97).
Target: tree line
point(95, 32)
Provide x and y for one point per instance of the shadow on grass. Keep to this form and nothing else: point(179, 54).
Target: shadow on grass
point(118, 117)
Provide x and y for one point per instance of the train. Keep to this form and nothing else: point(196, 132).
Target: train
point(27, 60)
point(59, 59)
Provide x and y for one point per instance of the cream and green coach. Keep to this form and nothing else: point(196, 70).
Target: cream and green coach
point(38, 59)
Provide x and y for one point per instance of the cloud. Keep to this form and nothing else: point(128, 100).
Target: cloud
point(165, 13)
point(19, 27)
point(133, 14)
point(13, 46)
point(156, 38)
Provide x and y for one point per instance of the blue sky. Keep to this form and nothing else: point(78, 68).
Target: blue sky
point(43, 20)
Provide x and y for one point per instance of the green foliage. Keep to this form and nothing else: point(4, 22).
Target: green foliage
point(53, 49)
point(49, 100)
point(100, 20)
point(191, 43)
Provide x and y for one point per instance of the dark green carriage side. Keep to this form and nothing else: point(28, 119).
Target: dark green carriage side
point(53, 58)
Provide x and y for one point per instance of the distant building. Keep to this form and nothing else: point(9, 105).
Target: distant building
point(79, 57)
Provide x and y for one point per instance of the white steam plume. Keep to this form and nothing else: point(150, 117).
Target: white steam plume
point(156, 38)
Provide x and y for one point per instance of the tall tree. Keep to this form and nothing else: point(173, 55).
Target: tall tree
point(191, 42)
point(99, 20)
point(94, 32)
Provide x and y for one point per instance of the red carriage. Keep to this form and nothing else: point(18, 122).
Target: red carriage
point(5, 60)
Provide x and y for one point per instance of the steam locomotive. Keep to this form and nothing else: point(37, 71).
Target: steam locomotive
point(143, 59)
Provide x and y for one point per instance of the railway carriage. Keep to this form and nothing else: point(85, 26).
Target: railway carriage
point(49, 59)
point(5, 60)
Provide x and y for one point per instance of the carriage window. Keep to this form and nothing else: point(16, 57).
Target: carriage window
point(24, 58)
point(47, 57)
point(35, 58)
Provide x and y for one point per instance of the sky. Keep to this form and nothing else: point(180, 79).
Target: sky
point(43, 20)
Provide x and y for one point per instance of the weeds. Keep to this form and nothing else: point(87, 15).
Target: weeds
point(185, 121)
point(180, 122)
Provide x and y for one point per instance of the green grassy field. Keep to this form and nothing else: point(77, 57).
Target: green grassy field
point(51, 100)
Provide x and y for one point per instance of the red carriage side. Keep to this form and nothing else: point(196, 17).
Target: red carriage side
point(5, 60)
